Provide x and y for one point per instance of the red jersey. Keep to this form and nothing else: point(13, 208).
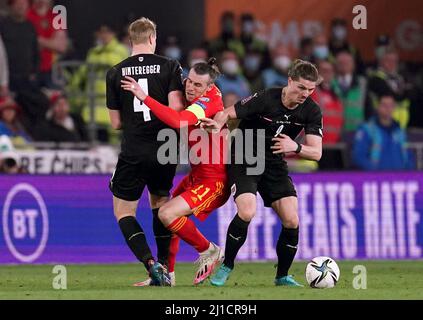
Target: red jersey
point(207, 106)
point(44, 27)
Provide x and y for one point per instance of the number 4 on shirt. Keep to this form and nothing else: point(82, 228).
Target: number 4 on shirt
point(141, 107)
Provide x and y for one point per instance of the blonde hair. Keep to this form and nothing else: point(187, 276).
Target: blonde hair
point(140, 30)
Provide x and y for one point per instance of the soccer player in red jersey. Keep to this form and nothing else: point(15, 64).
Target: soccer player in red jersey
point(205, 188)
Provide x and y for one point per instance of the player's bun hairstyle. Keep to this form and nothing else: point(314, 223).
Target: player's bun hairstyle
point(209, 67)
point(304, 69)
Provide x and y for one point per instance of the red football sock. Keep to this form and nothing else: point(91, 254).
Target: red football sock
point(173, 250)
point(187, 231)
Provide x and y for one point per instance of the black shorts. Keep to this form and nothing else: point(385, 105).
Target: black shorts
point(129, 179)
point(273, 184)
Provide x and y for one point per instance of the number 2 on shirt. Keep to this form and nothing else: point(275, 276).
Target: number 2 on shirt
point(141, 107)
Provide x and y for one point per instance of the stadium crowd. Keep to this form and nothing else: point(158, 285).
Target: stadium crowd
point(371, 110)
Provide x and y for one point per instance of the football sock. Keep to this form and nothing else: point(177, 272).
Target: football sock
point(187, 231)
point(286, 249)
point(162, 236)
point(173, 250)
point(135, 238)
point(235, 238)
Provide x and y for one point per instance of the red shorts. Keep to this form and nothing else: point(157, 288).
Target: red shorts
point(203, 196)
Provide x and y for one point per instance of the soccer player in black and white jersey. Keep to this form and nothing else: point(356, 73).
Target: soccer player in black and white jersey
point(138, 165)
point(282, 113)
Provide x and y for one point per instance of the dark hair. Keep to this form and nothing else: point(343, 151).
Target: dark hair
point(306, 41)
point(209, 67)
point(247, 17)
point(338, 22)
point(304, 69)
point(227, 15)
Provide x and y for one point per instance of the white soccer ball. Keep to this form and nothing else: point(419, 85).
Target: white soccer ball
point(322, 272)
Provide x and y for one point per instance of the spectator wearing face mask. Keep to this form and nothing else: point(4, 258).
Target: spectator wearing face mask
point(320, 48)
point(196, 55)
point(227, 40)
point(252, 63)
point(338, 42)
point(231, 79)
point(277, 74)
point(172, 49)
point(249, 39)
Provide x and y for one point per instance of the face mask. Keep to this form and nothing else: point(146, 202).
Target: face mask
point(252, 63)
point(248, 27)
point(230, 67)
point(282, 62)
point(339, 33)
point(173, 53)
point(193, 62)
point(321, 52)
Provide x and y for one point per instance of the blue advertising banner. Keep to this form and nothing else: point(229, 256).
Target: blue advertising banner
point(69, 219)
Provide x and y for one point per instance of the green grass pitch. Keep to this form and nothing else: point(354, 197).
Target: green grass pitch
point(249, 281)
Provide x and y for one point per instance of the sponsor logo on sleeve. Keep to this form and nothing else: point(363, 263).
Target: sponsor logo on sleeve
point(249, 98)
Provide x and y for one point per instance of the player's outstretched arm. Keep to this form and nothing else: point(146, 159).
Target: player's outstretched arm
point(169, 116)
point(176, 100)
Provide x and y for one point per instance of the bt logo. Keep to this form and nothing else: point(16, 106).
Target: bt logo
point(25, 222)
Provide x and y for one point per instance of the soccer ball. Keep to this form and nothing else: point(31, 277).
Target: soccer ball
point(322, 272)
